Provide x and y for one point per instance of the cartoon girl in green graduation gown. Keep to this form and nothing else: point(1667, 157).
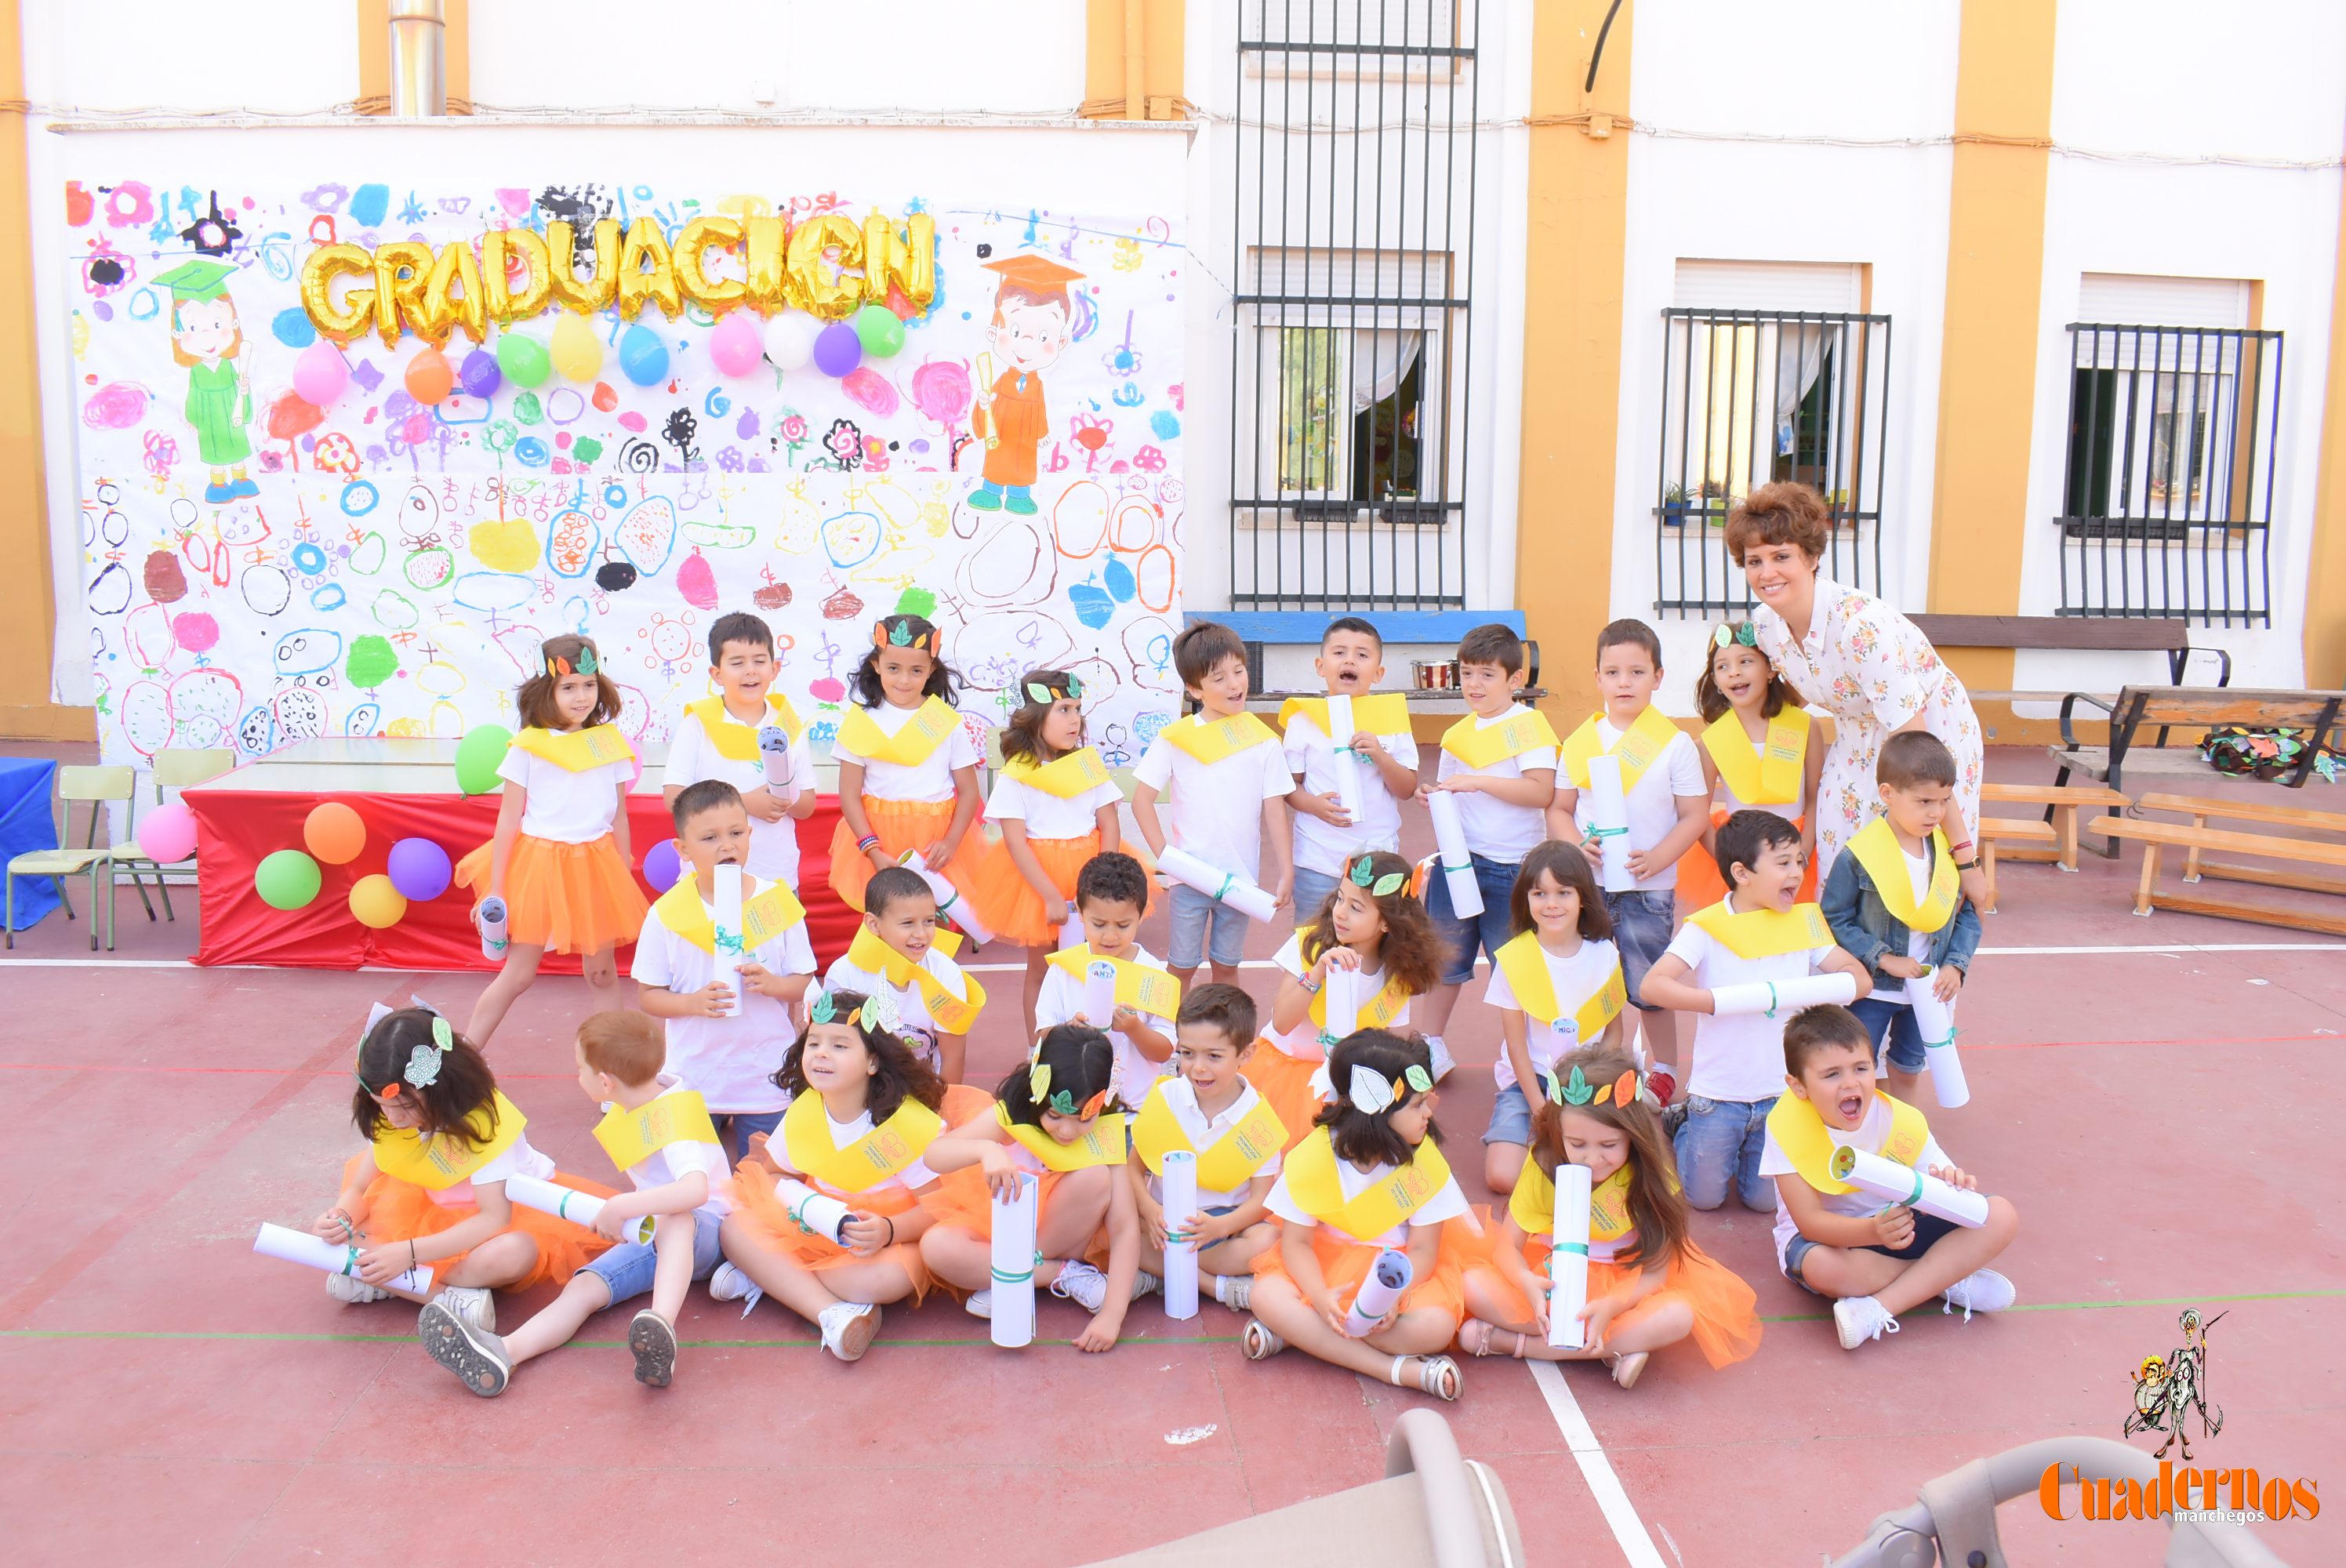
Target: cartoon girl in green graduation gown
point(206, 340)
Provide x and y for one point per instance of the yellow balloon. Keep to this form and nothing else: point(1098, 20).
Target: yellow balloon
point(815, 281)
point(587, 295)
point(456, 269)
point(714, 295)
point(906, 257)
point(577, 352)
point(767, 256)
point(403, 272)
point(638, 286)
point(375, 903)
point(348, 320)
point(505, 302)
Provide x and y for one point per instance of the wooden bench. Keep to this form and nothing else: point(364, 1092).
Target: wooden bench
point(2156, 836)
point(2091, 634)
point(2061, 803)
point(1995, 831)
point(2200, 807)
point(2195, 708)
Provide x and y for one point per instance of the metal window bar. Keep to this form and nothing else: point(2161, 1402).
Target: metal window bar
point(1751, 397)
point(2167, 491)
point(1354, 212)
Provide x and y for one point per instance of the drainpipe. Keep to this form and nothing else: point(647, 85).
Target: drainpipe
point(1135, 90)
point(419, 44)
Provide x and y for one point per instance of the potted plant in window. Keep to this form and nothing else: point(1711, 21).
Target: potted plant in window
point(1714, 503)
point(1674, 506)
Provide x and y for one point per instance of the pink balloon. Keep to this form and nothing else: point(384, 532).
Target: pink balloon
point(167, 833)
point(320, 374)
point(735, 345)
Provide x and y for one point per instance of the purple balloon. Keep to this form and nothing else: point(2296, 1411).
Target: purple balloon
point(480, 373)
point(419, 869)
point(661, 867)
point(837, 349)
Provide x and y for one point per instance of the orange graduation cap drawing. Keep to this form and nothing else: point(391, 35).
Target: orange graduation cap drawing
point(1034, 321)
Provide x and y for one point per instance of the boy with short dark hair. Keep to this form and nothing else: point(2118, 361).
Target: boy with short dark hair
point(729, 737)
point(1111, 897)
point(901, 949)
point(1329, 833)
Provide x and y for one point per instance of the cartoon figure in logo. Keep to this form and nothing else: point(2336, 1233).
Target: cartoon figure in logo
point(1034, 321)
point(207, 341)
point(2166, 1392)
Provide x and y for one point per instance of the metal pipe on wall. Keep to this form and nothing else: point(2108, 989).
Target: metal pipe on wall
point(419, 60)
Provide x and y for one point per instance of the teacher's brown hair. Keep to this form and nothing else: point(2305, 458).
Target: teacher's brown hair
point(1781, 514)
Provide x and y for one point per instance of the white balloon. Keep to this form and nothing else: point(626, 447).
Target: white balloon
point(790, 339)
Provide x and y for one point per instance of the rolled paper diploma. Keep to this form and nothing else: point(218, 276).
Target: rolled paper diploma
point(1936, 1022)
point(1099, 993)
point(1231, 888)
point(577, 1207)
point(1341, 991)
point(1770, 998)
point(1568, 1264)
point(726, 920)
point(819, 1212)
point(1013, 1265)
point(333, 1256)
point(951, 905)
point(1347, 761)
point(774, 746)
point(1388, 1282)
point(1457, 864)
point(1608, 819)
point(492, 927)
point(1917, 1189)
point(1180, 1178)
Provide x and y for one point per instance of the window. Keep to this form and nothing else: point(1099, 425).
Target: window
point(1351, 418)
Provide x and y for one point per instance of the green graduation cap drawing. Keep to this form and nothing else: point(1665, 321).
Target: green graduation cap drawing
point(202, 278)
point(220, 402)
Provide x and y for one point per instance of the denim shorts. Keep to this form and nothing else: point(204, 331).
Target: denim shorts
point(1311, 890)
point(1928, 1229)
point(1892, 1023)
point(1718, 1148)
point(1192, 912)
point(1511, 1118)
point(627, 1268)
point(1486, 932)
point(1641, 929)
point(735, 1129)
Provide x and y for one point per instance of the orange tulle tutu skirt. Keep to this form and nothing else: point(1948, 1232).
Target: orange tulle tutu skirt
point(565, 898)
point(768, 1219)
point(1007, 903)
point(961, 1198)
point(1699, 883)
point(901, 825)
point(1285, 1082)
point(401, 1211)
point(1344, 1263)
point(1726, 1312)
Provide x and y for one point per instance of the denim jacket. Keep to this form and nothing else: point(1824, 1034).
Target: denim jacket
point(1866, 930)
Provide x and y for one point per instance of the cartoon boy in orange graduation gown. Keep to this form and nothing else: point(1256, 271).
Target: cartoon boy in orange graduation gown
point(1034, 321)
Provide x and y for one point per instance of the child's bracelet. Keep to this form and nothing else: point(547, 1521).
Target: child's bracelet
point(868, 842)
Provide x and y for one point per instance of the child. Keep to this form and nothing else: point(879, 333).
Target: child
point(1500, 763)
point(1874, 1261)
point(1668, 808)
point(1111, 895)
point(1894, 901)
point(1558, 988)
point(907, 768)
point(1648, 1284)
point(431, 1186)
point(899, 949)
point(1230, 779)
point(560, 861)
point(1757, 749)
point(1056, 808)
point(1757, 934)
point(1370, 1177)
point(1327, 834)
point(658, 1131)
point(719, 737)
point(1210, 1109)
point(863, 1110)
point(726, 1045)
point(1374, 926)
point(1056, 1117)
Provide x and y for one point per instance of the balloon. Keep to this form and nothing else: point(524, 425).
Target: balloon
point(879, 330)
point(419, 869)
point(500, 249)
point(376, 903)
point(320, 374)
point(351, 317)
point(643, 355)
point(334, 833)
point(584, 295)
point(286, 879)
point(578, 353)
point(169, 833)
point(734, 344)
point(662, 866)
point(524, 359)
point(430, 377)
point(452, 294)
point(478, 756)
point(480, 373)
point(790, 341)
point(639, 286)
point(838, 351)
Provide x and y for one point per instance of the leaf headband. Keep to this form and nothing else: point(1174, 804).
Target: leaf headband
point(1040, 691)
point(1746, 633)
point(1371, 1093)
point(1061, 1102)
point(1364, 875)
point(425, 1062)
point(586, 662)
point(901, 635)
point(1576, 1091)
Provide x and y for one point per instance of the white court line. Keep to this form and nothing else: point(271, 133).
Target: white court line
point(1605, 1486)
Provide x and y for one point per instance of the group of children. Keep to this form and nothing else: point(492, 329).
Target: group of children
point(814, 1142)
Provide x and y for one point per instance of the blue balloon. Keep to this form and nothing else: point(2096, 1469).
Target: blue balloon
point(643, 355)
point(662, 866)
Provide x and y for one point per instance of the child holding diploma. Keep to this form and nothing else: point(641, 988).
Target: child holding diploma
point(430, 1189)
point(658, 1131)
point(1757, 937)
point(899, 949)
point(1230, 783)
point(1648, 1284)
point(1376, 935)
point(1759, 750)
point(1209, 1109)
point(725, 996)
point(1873, 1259)
point(1377, 756)
point(1370, 1177)
point(726, 738)
point(1894, 900)
point(907, 767)
point(1111, 895)
point(1056, 1116)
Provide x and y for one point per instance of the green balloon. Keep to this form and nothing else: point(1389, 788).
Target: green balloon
point(523, 359)
point(478, 756)
point(286, 879)
point(877, 328)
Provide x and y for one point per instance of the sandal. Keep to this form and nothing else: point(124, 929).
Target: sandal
point(1258, 1343)
point(1626, 1367)
point(1481, 1346)
point(1436, 1375)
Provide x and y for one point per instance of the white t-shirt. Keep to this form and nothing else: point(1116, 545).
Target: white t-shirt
point(681, 1159)
point(1801, 795)
point(1302, 1042)
point(1494, 830)
point(1062, 997)
point(1217, 810)
point(519, 1159)
point(912, 1010)
point(931, 781)
point(773, 846)
point(731, 1060)
point(1868, 1137)
point(563, 806)
point(1739, 1058)
point(1652, 800)
point(1047, 816)
point(1579, 975)
point(913, 1177)
point(1447, 1204)
point(1918, 942)
point(1323, 847)
point(1203, 1132)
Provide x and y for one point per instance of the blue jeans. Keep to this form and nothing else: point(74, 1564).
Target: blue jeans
point(1719, 1145)
point(1892, 1024)
point(1511, 1118)
point(1641, 929)
point(735, 1128)
point(1193, 912)
point(1486, 932)
point(626, 1269)
point(1311, 890)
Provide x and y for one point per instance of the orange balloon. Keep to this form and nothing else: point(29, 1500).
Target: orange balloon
point(430, 377)
point(333, 833)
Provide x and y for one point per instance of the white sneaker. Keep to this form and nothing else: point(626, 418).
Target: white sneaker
point(847, 1328)
point(1234, 1291)
point(1982, 1290)
point(980, 1303)
point(1862, 1318)
point(351, 1288)
point(1086, 1287)
point(1444, 1063)
point(475, 1304)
